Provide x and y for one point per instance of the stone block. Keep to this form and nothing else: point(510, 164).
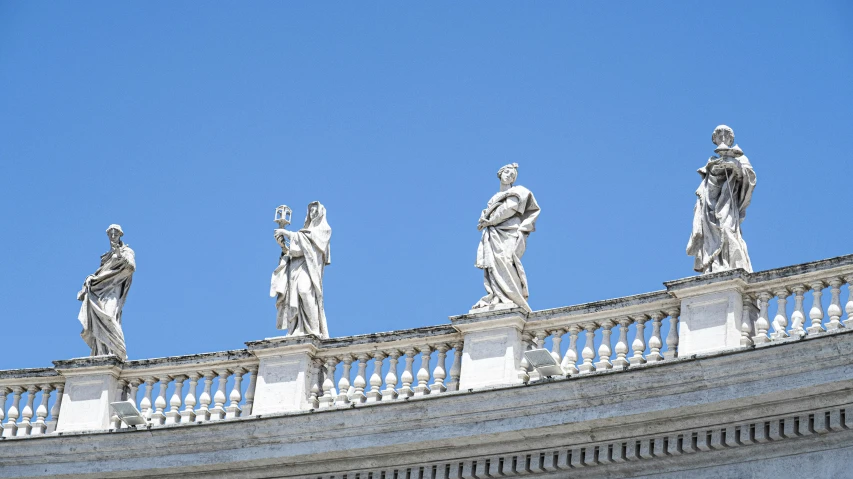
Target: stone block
point(283, 383)
point(493, 348)
point(90, 386)
point(710, 322)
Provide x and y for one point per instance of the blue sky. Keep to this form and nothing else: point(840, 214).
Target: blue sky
point(189, 123)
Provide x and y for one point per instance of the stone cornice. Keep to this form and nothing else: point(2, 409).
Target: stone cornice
point(466, 323)
point(284, 345)
point(89, 365)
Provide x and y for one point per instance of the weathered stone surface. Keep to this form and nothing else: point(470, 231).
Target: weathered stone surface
point(683, 396)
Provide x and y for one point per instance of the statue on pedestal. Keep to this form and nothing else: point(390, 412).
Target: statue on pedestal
point(722, 198)
point(103, 296)
point(297, 283)
point(509, 217)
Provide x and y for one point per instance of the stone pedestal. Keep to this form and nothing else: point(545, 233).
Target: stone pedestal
point(91, 384)
point(712, 312)
point(493, 347)
point(284, 375)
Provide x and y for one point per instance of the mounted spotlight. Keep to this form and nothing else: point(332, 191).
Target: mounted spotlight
point(543, 362)
point(127, 412)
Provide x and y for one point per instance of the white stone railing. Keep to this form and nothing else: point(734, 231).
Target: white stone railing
point(817, 280)
point(640, 321)
point(193, 388)
point(697, 315)
point(774, 302)
point(405, 364)
point(32, 409)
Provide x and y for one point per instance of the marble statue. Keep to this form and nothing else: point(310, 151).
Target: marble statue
point(509, 217)
point(103, 296)
point(722, 198)
point(297, 283)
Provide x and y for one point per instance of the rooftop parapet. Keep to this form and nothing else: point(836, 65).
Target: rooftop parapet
point(714, 312)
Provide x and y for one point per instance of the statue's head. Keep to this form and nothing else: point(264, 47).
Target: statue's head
point(313, 209)
point(508, 173)
point(115, 233)
point(723, 135)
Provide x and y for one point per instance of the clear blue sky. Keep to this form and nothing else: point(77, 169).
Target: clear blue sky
point(187, 123)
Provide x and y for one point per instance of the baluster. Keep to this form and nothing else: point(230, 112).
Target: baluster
point(218, 412)
point(672, 335)
point(848, 323)
point(570, 360)
point(604, 350)
point(159, 416)
point(655, 342)
point(343, 384)
point(188, 413)
point(174, 414)
point(588, 352)
point(780, 321)
point(359, 383)
point(408, 378)
point(390, 391)
point(747, 317)
point(203, 412)
point(639, 344)
point(798, 317)
point(621, 361)
point(439, 373)
point(145, 404)
point(816, 312)
point(233, 410)
point(834, 310)
point(40, 426)
point(134, 388)
point(762, 324)
point(3, 392)
point(456, 369)
point(250, 391)
point(329, 393)
point(524, 368)
point(11, 428)
point(422, 389)
point(24, 425)
point(375, 393)
point(316, 380)
point(556, 340)
point(54, 411)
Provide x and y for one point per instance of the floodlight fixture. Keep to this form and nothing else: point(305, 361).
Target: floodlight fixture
point(543, 362)
point(127, 412)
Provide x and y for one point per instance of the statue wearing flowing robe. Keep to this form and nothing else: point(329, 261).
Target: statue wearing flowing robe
point(103, 295)
point(728, 181)
point(297, 283)
point(508, 219)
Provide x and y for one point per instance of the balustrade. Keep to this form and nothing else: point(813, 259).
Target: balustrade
point(29, 393)
point(387, 367)
point(597, 324)
point(794, 287)
point(210, 373)
point(375, 371)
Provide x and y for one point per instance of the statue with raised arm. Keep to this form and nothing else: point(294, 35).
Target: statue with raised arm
point(722, 198)
point(103, 296)
point(297, 282)
point(509, 217)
